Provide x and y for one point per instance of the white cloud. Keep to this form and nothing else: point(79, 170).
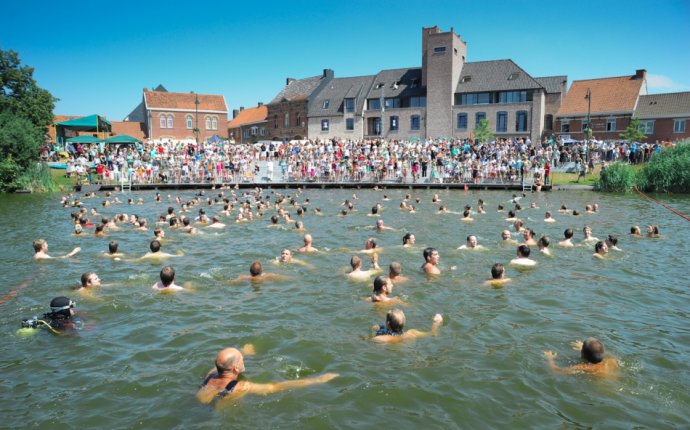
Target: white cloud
point(660, 82)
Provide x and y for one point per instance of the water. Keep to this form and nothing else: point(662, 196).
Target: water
point(139, 359)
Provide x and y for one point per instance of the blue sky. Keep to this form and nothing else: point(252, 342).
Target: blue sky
point(98, 56)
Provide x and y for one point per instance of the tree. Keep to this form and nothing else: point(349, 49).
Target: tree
point(482, 132)
point(20, 140)
point(20, 94)
point(633, 132)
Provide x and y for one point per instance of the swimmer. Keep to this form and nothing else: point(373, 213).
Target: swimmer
point(523, 259)
point(78, 229)
point(215, 223)
point(576, 213)
point(299, 226)
point(395, 273)
point(543, 244)
point(563, 209)
point(612, 242)
point(511, 216)
point(533, 205)
point(358, 274)
point(156, 253)
point(100, 231)
point(257, 274)
point(588, 238)
point(500, 208)
point(61, 317)
point(374, 211)
point(498, 276)
point(158, 233)
point(443, 210)
point(467, 216)
point(548, 217)
point(518, 225)
point(471, 243)
point(436, 199)
point(383, 287)
point(528, 235)
point(112, 250)
point(222, 382)
point(600, 250)
point(287, 258)
point(431, 260)
point(408, 240)
point(89, 280)
point(381, 227)
point(143, 225)
point(506, 238)
point(41, 251)
point(392, 331)
point(592, 353)
point(567, 242)
point(187, 227)
point(635, 231)
point(370, 246)
point(167, 282)
point(653, 231)
point(589, 209)
point(307, 248)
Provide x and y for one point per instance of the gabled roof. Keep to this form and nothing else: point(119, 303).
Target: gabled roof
point(609, 95)
point(298, 89)
point(664, 105)
point(249, 116)
point(398, 83)
point(552, 84)
point(495, 75)
point(336, 91)
point(138, 114)
point(184, 101)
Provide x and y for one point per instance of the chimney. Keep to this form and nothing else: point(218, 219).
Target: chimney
point(640, 74)
point(235, 112)
point(241, 108)
point(260, 104)
point(288, 81)
point(328, 73)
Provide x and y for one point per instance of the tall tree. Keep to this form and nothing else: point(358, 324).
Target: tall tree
point(482, 132)
point(633, 132)
point(19, 93)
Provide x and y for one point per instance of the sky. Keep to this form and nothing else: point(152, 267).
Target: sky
point(97, 57)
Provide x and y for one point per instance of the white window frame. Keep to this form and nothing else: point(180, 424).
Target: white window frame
point(214, 123)
point(171, 121)
point(563, 123)
point(164, 121)
point(325, 125)
point(677, 122)
point(609, 122)
point(647, 127)
point(190, 122)
point(208, 123)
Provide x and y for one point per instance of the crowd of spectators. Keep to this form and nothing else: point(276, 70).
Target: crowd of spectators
point(432, 160)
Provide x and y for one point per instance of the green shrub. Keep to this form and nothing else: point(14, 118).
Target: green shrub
point(37, 178)
point(668, 172)
point(618, 177)
point(9, 173)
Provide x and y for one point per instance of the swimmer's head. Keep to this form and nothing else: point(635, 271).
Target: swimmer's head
point(523, 251)
point(395, 320)
point(256, 269)
point(62, 307)
point(155, 246)
point(39, 244)
point(370, 243)
point(167, 276)
point(568, 233)
point(611, 240)
point(592, 351)
point(635, 230)
point(544, 242)
point(112, 246)
point(355, 262)
point(395, 269)
point(230, 360)
point(505, 234)
point(408, 239)
point(601, 248)
point(497, 271)
point(430, 254)
point(90, 279)
point(381, 283)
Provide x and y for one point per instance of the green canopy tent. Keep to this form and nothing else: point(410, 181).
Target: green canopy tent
point(84, 139)
point(123, 138)
point(94, 123)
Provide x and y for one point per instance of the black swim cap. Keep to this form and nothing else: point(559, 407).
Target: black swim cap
point(61, 305)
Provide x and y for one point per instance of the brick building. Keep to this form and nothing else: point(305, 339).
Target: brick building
point(611, 103)
point(287, 112)
point(249, 125)
point(168, 115)
point(664, 117)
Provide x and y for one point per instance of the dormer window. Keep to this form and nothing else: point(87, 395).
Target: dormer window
point(380, 85)
point(326, 104)
point(414, 83)
point(513, 76)
point(395, 85)
point(466, 79)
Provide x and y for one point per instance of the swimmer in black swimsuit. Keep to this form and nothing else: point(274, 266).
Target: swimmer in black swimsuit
point(223, 381)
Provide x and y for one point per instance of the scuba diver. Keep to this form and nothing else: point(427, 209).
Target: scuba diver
point(60, 320)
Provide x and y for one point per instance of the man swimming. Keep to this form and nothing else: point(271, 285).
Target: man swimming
point(593, 354)
point(431, 260)
point(600, 249)
point(498, 275)
point(358, 274)
point(523, 259)
point(257, 274)
point(567, 242)
point(41, 251)
point(383, 287)
point(471, 243)
point(167, 282)
point(393, 330)
point(395, 273)
point(307, 248)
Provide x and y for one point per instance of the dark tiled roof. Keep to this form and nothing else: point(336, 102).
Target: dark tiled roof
point(336, 91)
point(299, 89)
point(494, 76)
point(397, 83)
point(663, 105)
point(168, 100)
point(552, 84)
point(617, 94)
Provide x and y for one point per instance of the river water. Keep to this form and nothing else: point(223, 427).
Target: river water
point(140, 356)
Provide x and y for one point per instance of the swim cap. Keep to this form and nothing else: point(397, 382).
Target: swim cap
point(61, 305)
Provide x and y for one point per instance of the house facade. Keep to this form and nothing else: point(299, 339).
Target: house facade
point(249, 125)
point(664, 117)
point(287, 112)
point(609, 103)
point(446, 97)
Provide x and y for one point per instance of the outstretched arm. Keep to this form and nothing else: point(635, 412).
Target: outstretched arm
point(551, 361)
point(275, 387)
point(74, 251)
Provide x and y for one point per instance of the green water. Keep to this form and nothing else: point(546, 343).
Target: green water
point(141, 355)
